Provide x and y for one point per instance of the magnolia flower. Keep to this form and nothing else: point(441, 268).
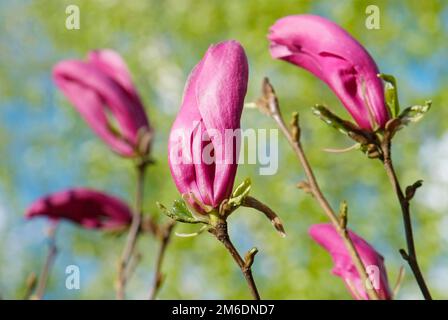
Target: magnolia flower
point(334, 56)
point(205, 138)
point(327, 236)
point(102, 91)
point(89, 208)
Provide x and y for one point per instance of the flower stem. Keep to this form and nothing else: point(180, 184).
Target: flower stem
point(314, 189)
point(165, 236)
point(30, 286)
point(410, 256)
point(221, 233)
point(52, 252)
point(134, 231)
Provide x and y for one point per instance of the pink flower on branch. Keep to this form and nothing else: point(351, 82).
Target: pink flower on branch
point(89, 208)
point(334, 56)
point(327, 236)
point(202, 155)
point(102, 91)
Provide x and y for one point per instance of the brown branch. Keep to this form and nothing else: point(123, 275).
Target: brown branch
point(165, 236)
point(133, 264)
point(270, 105)
point(221, 233)
point(30, 285)
point(410, 256)
point(133, 234)
point(52, 252)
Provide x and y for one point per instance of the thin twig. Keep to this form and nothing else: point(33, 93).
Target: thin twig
point(251, 202)
point(134, 231)
point(410, 256)
point(165, 237)
point(221, 233)
point(400, 278)
point(274, 111)
point(133, 264)
point(52, 252)
point(30, 285)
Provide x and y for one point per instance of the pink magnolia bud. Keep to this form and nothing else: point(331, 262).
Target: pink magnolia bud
point(327, 236)
point(101, 90)
point(334, 56)
point(205, 138)
point(89, 208)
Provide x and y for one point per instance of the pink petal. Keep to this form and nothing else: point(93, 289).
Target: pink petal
point(111, 64)
point(181, 152)
point(91, 107)
point(93, 90)
point(333, 55)
point(213, 102)
point(327, 236)
point(220, 92)
point(89, 208)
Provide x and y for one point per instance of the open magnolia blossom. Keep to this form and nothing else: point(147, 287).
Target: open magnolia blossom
point(102, 91)
point(334, 56)
point(327, 236)
point(204, 139)
point(89, 208)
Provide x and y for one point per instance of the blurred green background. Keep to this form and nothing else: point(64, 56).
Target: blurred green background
point(45, 146)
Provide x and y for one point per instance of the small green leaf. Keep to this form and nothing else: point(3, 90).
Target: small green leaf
point(345, 127)
point(333, 120)
point(391, 94)
point(241, 191)
point(414, 114)
point(179, 212)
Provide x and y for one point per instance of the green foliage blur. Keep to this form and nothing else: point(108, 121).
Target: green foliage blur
point(161, 41)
